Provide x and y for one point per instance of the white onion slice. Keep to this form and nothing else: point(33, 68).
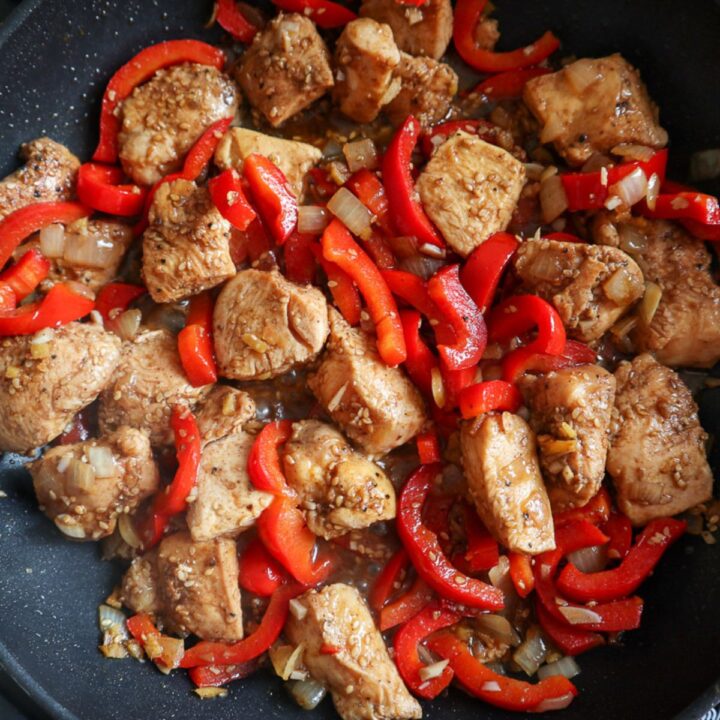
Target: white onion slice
point(52, 241)
point(360, 154)
point(589, 560)
point(90, 251)
point(533, 651)
point(312, 219)
point(650, 303)
point(127, 531)
point(566, 666)
point(351, 213)
point(579, 615)
point(631, 189)
point(81, 476)
point(102, 460)
point(553, 200)
point(308, 694)
point(558, 703)
point(428, 672)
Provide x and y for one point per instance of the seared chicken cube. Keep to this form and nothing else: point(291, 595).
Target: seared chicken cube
point(48, 175)
point(264, 325)
point(225, 502)
point(657, 448)
point(570, 410)
point(86, 486)
point(223, 412)
point(363, 680)
point(47, 378)
point(365, 57)
point(147, 382)
point(186, 247)
point(294, 158)
point(427, 88)
point(593, 105)
point(685, 328)
point(590, 286)
point(425, 30)
point(286, 68)
point(164, 117)
point(340, 489)
point(470, 189)
point(499, 455)
point(376, 406)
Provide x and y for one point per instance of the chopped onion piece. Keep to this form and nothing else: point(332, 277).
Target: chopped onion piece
point(43, 337)
point(111, 618)
point(705, 165)
point(312, 219)
point(534, 170)
point(351, 213)
point(360, 154)
point(491, 686)
point(81, 476)
point(308, 694)
point(579, 615)
point(650, 303)
point(497, 627)
point(208, 693)
point(619, 287)
point(546, 266)
point(653, 190)
point(432, 251)
point(596, 162)
point(126, 528)
point(423, 267)
point(500, 572)
point(552, 198)
point(581, 74)
point(128, 324)
point(589, 560)
point(331, 150)
point(404, 246)
point(438, 387)
point(552, 129)
point(567, 667)
point(69, 527)
point(432, 671)
point(64, 463)
point(631, 189)
point(338, 172)
point(298, 610)
point(558, 703)
point(102, 460)
point(52, 241)
point(641, 153)
point(80, 289)
point(90, 251)
point(530, 655)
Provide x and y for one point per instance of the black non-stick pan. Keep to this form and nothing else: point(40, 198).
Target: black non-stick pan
point(55, 57)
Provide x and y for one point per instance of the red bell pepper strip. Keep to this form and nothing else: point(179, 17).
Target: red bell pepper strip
point(596, 511)
point(621, 581)
point(563, 237)
point(407, 212)
point(619, 529)
point(18, 225)
point(264, 466)
point(566, 638)
point(231, 19)
point(379, 250)
point(489, 396)
point(25, 275)
point(481, 273)
point(142, 224)
point(139, 69)
point(300, 257)
point(482, 551)
point(271, 625)
point(60, 306)
point(385, 582)
point(406, 606)
point(259, 573)
point(412, 289)
point(195, 344)
point(371, 193)
point(321, 184)
point(460, 313)
point(521, 573)
point(428, 448)
point(467, 15)
point(407, 658)
point(414, 3)
point(141, 627)
point(427, 556)
point(339, 247)
point(526, 359)
point(8, 301)
point(115, 298)
point(695, 206)
point(555, 692)
point(342, 288)
point(212, 676)
point(257, 240)
point(101, 188)
point(710, 233)
point(420, 361)
point(323, 13)
point(507, 85)
point(228, 196)
point(272, 196)
point(522, 313)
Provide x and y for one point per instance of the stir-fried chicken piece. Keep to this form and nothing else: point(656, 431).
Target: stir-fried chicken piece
point(499, 455)
point(223, 412)
point(85, 487)
point(657, 454)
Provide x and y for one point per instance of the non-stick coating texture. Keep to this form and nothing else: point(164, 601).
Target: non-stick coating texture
point(53, 66)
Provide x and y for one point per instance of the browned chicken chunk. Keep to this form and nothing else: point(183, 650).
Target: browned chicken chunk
point(46, 378)
point(164, 117)
point(427, 88)
point(499, 455)
point(593, 105)
point(264, 325)
point(365, 57)
point(286, 68)
point(425, 30)
point(657, 448)
point(376, 406)
point(47, 176)
point(570, 410)
point(685, 328)
point(223, 412)
point(186, 247)
point(339, 489)
point(294, 158)
point(147, 382)
point(470, 189)
point(85, 487)
point(590, 286)
point(363, 680)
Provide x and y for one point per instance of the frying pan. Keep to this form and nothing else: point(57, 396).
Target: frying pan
point(55, 58)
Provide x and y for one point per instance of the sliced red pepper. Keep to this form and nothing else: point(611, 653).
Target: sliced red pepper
point(694, 206)
point(454, 382)
point(481, 273)
point(322, 184)
point(259, 573)
point(467, 15)
point(271, 625)
point(555, 692)
point(461, 314)
point(231, 19)
point(115, 298)
point(710, 233)
point(323, 13)
point(482, 551)
point(521, 573)
point(426, 554)
point(520, 314)
point(406, 212)
point(619, 529)
point(379, 250)
point(300, 262)
point(412, 289)
point(195, 344)
point(342, 288)
point(257, 241)
point(428, 448)
point(8, 301)
point(489, 396)
point(563, 237)
point(141, 627)
point(569, 640)
point(228, 196)
point(384, 585)
point(25, 275)
point(507, 85)
point(595, 511)
point(20, 224)
point(264, 466)
point(371, 192)
point(420, 361)
point(60, 306)
point(101, 187)
point(407, 658)
point(339, 247)
point(621, 581)
point(526, 359)
point(406, 606)
point(213, 676)
point(139, 69)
